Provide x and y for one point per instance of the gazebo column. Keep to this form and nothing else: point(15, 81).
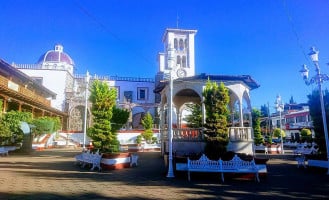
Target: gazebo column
point(203, 110)
point(241, 112)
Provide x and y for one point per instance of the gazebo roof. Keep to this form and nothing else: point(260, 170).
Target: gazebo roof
point(246, 79)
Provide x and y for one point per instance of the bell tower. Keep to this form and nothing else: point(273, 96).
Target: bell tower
point(179, 49)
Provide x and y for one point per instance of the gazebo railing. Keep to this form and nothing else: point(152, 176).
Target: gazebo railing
point(197, 134)
point(186, 134)
point(240, 134)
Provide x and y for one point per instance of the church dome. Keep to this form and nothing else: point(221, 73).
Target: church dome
point(56, 56)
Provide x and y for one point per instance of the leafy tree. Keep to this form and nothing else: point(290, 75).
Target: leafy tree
point(147, 123)
point(258, 138)
point(292, 101)
point(216, 99)
point(119, 118)
point(277, 133)
point(264, 110)
point(194, 120)
point(315, 112)
point(12, 121)
point(103, 100)
point(46, 125)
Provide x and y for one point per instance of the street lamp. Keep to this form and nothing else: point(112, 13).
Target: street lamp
point(280, 108)
point(87, 78)
point(169, 73)
point(318, 79)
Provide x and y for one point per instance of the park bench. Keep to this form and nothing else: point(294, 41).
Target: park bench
point(89, 158)
point(236, 165)
point(3, 151)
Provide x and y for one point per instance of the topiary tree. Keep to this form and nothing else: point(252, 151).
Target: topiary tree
point(258, 138)
point(216, 99)
point(103, 100)
point(306, 134)
point(147, 123)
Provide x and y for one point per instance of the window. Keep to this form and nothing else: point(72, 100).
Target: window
point(178, 61)
point(181, 44)
point(184, 61)
point(128, 95)
point(142, 93)
point(175, 44)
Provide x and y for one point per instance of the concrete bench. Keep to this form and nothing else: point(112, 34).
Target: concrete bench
point(89, 158)
point(236, 165)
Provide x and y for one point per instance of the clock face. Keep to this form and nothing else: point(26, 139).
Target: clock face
point(181, 73)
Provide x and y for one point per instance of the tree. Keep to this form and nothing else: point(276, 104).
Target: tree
point(194, 120)
point(12, 121)
point(277, 133)
point(103, 100)
point(119, 118)
point(316, 115)
point(45, 125)
point(306, 134)
point(216, 99)
point(258, 138)
point(147, 123)
point(264, 111)
point(292, 101)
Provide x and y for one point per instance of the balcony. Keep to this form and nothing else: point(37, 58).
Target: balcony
point(22, 93)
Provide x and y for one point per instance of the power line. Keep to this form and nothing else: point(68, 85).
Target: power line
point(294, 30)
point(107, 30)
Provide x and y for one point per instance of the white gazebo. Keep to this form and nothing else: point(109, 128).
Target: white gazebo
point(189, 90)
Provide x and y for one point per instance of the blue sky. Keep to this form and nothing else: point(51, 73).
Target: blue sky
point(268, 40)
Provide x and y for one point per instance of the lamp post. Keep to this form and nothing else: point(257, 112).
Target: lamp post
point(169, 72)
point(280, 107)
point(318, 78)
point(87, 78)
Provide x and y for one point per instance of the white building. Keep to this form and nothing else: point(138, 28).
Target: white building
point(55, 70)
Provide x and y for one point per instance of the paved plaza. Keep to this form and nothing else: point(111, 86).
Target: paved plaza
point(51, 174)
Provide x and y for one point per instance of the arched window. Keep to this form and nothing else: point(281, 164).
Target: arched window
point(186, 44)
point(181, 44)
point(178, 61)
point(184, 61)
point(175, 44)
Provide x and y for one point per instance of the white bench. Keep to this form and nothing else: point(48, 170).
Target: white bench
point(3, 151)
point(88, 157)
point(317, 163)
point(202, 165)
point(133, 160)
point(236, 165)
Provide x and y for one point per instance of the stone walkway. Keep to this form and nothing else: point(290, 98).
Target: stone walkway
point(51, 174)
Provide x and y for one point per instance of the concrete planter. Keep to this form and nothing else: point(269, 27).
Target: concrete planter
point(115, 161)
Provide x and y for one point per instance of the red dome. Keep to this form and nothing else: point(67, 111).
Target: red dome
point(56, 56)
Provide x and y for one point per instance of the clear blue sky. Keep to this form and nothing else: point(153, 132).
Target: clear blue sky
point(268, 40)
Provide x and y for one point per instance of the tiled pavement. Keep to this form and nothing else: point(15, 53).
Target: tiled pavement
point(51, 174)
